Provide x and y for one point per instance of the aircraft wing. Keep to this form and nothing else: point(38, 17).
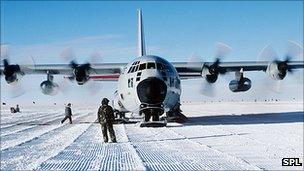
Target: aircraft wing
point(66, 69)
point(188, 70)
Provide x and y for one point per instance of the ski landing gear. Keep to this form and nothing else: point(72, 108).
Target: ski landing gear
point(151, 115)
point(120, 117)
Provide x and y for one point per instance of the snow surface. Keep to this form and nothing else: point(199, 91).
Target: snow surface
point(218, 136)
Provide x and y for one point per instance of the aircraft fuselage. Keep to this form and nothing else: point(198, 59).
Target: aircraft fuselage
point(148, 82)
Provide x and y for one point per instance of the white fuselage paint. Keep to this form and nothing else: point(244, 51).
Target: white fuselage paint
point(127, 90)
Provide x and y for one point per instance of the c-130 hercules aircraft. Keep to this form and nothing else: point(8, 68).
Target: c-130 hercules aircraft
point(150, 85)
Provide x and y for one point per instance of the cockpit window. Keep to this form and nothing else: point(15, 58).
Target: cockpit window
point(151, 65)
point(142, 66)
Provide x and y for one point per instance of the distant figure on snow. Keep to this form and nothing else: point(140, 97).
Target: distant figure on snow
point(68, 113)
point(17, 109)
point(13, 110)
point(106, 119)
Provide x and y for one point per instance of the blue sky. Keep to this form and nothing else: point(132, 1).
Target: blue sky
point(174, 30)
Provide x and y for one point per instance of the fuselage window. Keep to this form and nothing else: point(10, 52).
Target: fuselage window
point(133, 69)
point(130, 70)
point(151, 65)
point(137, 66)
point(142, 66)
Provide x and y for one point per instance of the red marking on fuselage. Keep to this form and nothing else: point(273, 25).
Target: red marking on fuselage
point(105, 77)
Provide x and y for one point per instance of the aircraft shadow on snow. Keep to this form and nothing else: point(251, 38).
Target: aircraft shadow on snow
point(266, 118)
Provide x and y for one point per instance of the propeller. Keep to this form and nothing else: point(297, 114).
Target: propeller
point(11, 72)
point(222, 50)
point(67, 54)
point(11, 69)
point(212, 71)
point(207, 89)
point(16, 89)
point(95, 57)
point(293, 51)
point(80, 71)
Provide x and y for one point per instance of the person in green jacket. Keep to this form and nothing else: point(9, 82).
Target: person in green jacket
point(106, 119)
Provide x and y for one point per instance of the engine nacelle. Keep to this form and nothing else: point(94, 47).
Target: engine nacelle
point(243, 84)
point(81, 76)
point(210, 77)
point(49, 87)
point(11, 72)
point(11, 79)
point(277, 70)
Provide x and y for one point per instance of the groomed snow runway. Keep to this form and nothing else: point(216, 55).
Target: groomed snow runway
point(218, 136)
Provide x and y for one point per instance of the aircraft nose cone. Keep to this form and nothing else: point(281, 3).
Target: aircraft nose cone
point(152, 90)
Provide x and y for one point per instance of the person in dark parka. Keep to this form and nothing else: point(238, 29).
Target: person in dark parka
point(106, 119)
point(17, 108)
point(68, 113)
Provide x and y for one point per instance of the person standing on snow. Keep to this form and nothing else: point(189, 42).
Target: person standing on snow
point(106, 119)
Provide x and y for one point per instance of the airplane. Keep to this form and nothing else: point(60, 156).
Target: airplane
point(150, 85)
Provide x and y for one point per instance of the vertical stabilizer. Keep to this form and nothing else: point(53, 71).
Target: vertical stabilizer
point(141, 46)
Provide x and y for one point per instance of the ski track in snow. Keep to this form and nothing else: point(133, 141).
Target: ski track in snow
point(29, 154)
point(27, 123)
point(15, 138)
point(96, 155)
point(176, 152)
point(39, 142)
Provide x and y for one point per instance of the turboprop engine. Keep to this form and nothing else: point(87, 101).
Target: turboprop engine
point(211, 73)
point(277, 70)
point(81, 72)
point(11, 72)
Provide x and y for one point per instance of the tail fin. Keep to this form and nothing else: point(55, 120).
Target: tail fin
point(141, 46)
